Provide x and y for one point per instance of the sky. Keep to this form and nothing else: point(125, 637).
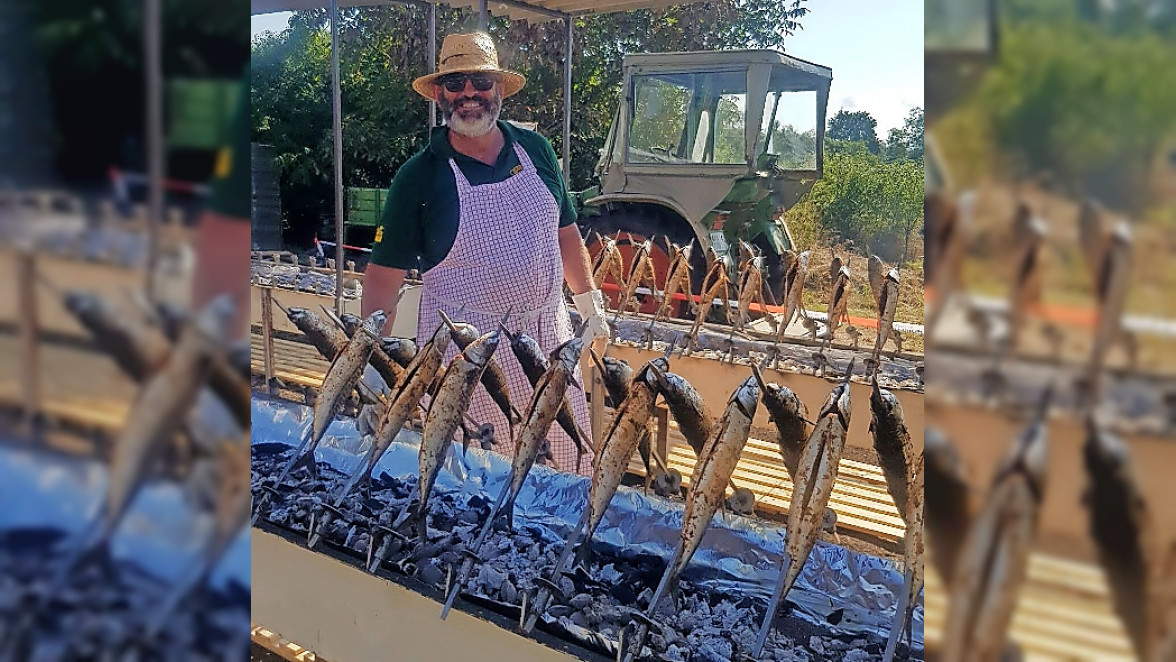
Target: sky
point(875, 50)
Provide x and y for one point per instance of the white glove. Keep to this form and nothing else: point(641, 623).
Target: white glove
point(590, 305)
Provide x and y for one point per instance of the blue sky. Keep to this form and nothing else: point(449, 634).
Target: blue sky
point(875, 50)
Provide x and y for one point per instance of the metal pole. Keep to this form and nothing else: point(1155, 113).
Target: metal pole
point(154, 70)
point(483, 16)
point(337, 139)
point(567, 99)
point(432, 58)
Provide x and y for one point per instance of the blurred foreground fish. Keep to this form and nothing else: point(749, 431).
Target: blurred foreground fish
point(815, 478)
point(912, 556)
point(948, 503)
point(991, 568)
point(154, 418)
point(708, 487)
point(892, 442)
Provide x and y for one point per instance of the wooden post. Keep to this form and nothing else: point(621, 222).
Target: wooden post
point(267, 334)
point(27, 319)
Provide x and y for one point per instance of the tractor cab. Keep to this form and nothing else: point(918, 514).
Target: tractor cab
point(710, 147)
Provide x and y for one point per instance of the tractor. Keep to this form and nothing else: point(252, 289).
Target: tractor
point(710, 148)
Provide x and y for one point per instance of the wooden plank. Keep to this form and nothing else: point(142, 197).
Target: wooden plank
point(274, 643)
point(267, 333)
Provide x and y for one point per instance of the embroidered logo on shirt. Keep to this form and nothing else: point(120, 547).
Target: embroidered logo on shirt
point(516, 170)
point(379, 234)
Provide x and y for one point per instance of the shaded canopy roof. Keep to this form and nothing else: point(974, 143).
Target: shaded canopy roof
point(529, 10)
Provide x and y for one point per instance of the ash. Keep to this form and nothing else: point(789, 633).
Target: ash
point(698, 625)
point(105, 608)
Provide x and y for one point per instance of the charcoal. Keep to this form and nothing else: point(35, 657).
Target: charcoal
point(580, 601)
point(674, 653)
point(509, 594)
point(856, 655)
point(492, 579)
point(580, 618)
point(817, 645)
point(431, 574)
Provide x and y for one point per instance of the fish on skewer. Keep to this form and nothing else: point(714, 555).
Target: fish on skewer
point(708, 486)
point(1124, 531)
point(329, 340)
point(947, 223)
point(995, 557)
point(677, 277)
point(401, 350)
point(838, 298)
point(417, 377)
point(714, 286)
point(545, 402)
point(750, 286)
point(493, 379)
point(949, 502)
point(630, 420)
point(445, 415)
point(156, 415)
point(617, 376)
point(795, 274)
point(1111, 294)
point(389, 370)
point(812, 488)
point(885, 290)
point(608, 263)
point(1028, 275)
point(892, 442)
point(912, 556)
point(342, 376)
point(640, 273)
point(535, 364)
point(788, 413)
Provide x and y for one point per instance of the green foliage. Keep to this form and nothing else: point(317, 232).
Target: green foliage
point(874, 203)
point(855, 126)
point(906, 142)
point(1082, 91)
point(385, 47)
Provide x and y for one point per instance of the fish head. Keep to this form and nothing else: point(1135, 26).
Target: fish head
point(1105, 454)
point(440, 338)
point(617, 369)
point(376, 321)
point(1029, 456)
point(838, 403)
point(568, 353)
point(883, 402)
point(351, 320)
point(747, 396)
point(80, 303)
point(481, 350)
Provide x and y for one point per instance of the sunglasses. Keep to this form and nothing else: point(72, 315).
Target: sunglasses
point(456, 82)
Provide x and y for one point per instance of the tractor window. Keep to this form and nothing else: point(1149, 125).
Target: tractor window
point(688, 118)
point(790, 123)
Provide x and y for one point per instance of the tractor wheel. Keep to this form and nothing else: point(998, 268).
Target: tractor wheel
point(622, 222)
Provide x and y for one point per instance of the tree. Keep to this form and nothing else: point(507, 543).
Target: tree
point(384, 47)
point(855, 126)
point(906, 142)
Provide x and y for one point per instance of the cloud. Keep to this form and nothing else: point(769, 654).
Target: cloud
point(848, 103)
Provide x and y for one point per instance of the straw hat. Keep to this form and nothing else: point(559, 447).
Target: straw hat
point(469, 53)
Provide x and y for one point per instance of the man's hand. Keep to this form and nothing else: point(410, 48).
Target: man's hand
point(590, 305)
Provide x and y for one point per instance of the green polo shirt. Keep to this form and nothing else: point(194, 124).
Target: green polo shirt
point(421, 213)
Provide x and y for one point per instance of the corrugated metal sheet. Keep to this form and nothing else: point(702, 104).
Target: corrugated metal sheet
point(266, 201)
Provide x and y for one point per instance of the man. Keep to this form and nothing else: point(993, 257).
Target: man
point(484, 214)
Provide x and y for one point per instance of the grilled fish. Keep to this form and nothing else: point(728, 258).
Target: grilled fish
point(751, 285)
point(949, 502)
point(326, 338)
point(787, 411)
point(341, 377)
point(811, 490)
point(617, 376)
point(678, 276)
point(887, 306)
point(1123, 528)
point(892, 442)
point(390, 371)
point(402, 350)
point(708, 487)
point(1029, 274)
point(629, 421)
point(687, 408)
point(795, 273)
point(991, 569)
point(493, 378)
point(608, 263)
point(545, 402)
point(159, 409)
point(530, 356)
point(913, 560)
point(838, 298)
point(640, 272)
point(137, 349)
point(446, 412)
point(714, 286)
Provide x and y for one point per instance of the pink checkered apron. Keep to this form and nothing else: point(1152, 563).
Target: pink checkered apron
point(506, 257)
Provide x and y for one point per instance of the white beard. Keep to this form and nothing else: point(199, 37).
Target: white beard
point(473, 127)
